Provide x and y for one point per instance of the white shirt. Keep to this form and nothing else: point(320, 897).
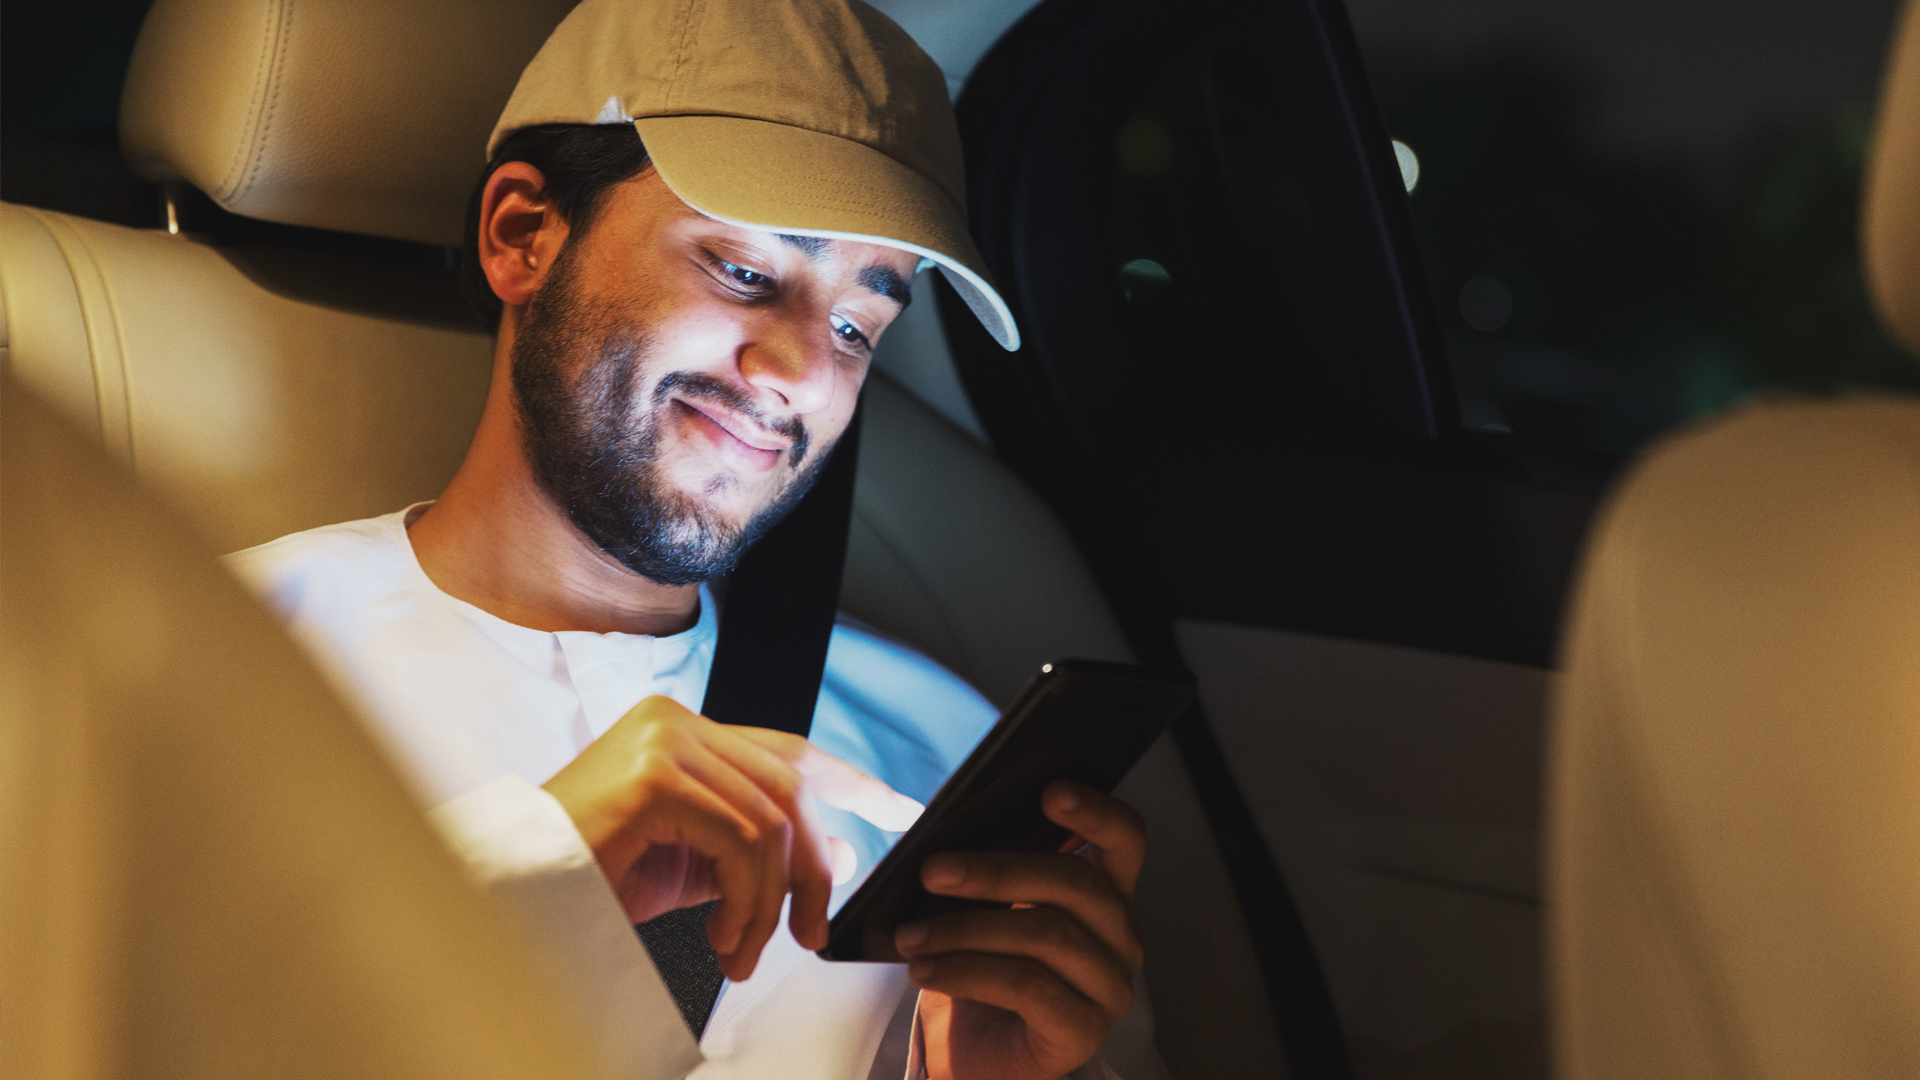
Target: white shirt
point(477, 712)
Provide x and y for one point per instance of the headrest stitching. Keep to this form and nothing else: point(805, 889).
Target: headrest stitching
point(277, 77)
point(262, 75)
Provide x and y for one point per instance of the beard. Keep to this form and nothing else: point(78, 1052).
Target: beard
point(577, 369)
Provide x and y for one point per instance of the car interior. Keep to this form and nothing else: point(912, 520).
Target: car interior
point(1244, 436)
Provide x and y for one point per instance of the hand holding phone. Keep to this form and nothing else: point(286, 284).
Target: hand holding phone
point(1081, 721)
point(1024, 954)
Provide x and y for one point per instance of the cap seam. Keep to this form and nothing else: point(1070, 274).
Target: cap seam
point(682, 50)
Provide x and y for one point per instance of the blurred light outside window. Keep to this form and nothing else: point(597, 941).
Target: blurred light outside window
point(1409, 164)
point(1636, 213)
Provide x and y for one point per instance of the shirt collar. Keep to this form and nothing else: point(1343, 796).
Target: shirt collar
point(610, 672)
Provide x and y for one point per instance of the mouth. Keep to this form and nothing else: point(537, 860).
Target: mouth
point(743, 445)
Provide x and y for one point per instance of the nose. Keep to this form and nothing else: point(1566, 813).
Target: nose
point(787, 360)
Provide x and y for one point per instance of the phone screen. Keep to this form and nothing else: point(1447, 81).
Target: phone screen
point(1080, 720)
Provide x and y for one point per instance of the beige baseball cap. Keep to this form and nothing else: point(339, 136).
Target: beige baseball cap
point(808, 117)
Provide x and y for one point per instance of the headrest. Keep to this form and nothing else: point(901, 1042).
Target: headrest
point(1890, 226)
point(366, 116)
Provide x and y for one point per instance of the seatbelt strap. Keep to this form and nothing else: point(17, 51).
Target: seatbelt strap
point(781, 601)
point(766, 672)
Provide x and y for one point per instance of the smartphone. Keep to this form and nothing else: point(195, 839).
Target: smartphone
point(1079, 720)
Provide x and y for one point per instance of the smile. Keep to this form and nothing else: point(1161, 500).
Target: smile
point(743, 446)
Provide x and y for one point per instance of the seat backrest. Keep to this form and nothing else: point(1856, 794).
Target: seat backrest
point(1733, 845)
point(1890, 218)
point(210, 870)
point(264, 391)
point(1733, 807)
point(254, 408)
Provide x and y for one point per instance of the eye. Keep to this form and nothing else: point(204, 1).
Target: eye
point(749, 278)
point(846, 331)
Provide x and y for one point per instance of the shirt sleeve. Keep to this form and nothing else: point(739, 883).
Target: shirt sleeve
point(522, 849)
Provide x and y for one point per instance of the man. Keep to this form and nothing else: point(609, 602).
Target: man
point(697, 221)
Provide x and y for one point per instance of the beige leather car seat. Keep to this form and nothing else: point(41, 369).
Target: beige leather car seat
point(210, 871)
point(1734, 777)
point(263, 391)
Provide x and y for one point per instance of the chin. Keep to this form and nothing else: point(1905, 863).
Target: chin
point(723, 498)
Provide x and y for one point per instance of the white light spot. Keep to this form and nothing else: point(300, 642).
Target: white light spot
point(1409, 164)
point(614, 111)
point(1143, 274)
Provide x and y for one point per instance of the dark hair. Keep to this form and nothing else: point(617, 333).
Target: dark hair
point(580, 162)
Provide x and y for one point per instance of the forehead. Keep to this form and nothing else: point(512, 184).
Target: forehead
point(648, 199)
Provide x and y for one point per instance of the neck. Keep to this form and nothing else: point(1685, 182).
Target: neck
point(497, 541)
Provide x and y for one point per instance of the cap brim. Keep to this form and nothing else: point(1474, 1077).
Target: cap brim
point(763, 175)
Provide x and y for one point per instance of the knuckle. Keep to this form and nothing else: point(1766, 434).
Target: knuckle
point(1058, 930)
point(655, 780)
point(1024, 981)
point(1032, 981)
point(787, 785)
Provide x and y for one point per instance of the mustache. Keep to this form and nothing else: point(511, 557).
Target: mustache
point(697, 385)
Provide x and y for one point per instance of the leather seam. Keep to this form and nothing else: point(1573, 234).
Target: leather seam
point(110, 426)
point(263, 61)
point(120, 339)
point(276, 79)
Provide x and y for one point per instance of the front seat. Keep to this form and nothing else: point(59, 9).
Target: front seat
point(270, 379)
point(1734, 792)
point(210, 870)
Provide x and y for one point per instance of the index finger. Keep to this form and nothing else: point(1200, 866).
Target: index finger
point(839, 784)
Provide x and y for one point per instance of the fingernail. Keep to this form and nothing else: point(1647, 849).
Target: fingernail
point(944, 873)
point(1068, 802)
point(920, 969)
point(910, 936)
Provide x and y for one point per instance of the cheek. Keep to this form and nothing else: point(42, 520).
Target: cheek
point(697, 336)
point(852, 375)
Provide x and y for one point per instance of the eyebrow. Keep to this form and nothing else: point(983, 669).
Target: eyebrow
point(878, 279)
point(814, 246)
point(886, 281)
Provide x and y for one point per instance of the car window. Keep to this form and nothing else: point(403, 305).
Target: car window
point(1636, 213)
point(1213, 238)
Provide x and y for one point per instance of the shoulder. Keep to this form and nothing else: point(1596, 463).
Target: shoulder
point(334, 562)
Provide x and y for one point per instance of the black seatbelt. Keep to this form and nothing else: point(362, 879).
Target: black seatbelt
point(766, 672)
point(780, 607)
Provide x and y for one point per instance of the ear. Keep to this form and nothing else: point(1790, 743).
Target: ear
point(520, 232)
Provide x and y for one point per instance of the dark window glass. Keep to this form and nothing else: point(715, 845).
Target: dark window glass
point(1214, 245)
point(1637, 212)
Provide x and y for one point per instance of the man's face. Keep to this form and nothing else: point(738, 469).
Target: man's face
point(680, 380)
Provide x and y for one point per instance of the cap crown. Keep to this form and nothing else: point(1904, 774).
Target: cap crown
point(836, 67)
